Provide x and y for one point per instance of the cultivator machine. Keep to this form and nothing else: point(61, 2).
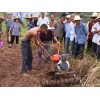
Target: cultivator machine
point(63, 75)
point(55, 79)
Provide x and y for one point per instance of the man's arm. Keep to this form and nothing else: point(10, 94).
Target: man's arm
point(94, 29)
point(57, 41)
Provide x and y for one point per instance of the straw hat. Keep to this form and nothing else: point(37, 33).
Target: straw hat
point(93, 15)
point(68, 16)
point(1, 16)
point(77, 17)
point(35, 15)
point(17, 18)
point(98, 15)
point(29, 17)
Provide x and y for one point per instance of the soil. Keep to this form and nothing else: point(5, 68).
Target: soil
point(10, 67)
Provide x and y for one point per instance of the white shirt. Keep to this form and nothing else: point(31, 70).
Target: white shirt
point(43, 21)
point(72, 31)
point(96, 36)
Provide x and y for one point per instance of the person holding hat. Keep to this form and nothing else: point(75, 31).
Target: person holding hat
point(81, 37)
point(30, 24)
point(90, 45)
point(1, 20)
point(15, 29)
point(67, 30)
point(9, 22)
point(96, 37)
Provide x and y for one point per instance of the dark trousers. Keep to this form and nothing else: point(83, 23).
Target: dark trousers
point(79, 50)
point(89, 45)
point(26, 56)
point(94, 48)
point(12, 39)
point(72, 43)
point(67, 41)
point(98, 51)
point(7, 30)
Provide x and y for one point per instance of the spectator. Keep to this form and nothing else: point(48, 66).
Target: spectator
point(16, 30)
point(9, 22)
point(1, 20)
point(90, 45)
point(81, 37)
point(72, 33)
point(96, 37)
point(43, 20)
point(59, 29)
point(67, 30)
point(35, 19)
point(30, 23)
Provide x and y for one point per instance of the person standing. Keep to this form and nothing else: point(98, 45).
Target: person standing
point(72, 33)
point(81, 37)
point(1, 21)
point(29, 23)
point(43, 20)
point(96, 37)
point(52, 23)
point(59, 29)
point(35, 19)
point(90, 44)
point(9, 22)
point(67, 36)
point(16, 30)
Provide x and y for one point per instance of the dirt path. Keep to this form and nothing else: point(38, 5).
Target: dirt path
point(10, 68)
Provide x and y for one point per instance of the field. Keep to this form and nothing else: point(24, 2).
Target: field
point(10, 67)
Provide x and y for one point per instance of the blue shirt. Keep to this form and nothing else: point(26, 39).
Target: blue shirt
point(15, 28)
point(30, 25)
point(9, 22)
point(81, 34)
point(67, 29)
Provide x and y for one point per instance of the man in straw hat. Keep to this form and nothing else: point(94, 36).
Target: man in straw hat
point(1, 20)
point(96, 37)
point(35, 18)
point(90, 34)
point(29, 23)
point(81, 37)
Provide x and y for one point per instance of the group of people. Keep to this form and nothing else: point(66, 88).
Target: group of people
point(69, 31)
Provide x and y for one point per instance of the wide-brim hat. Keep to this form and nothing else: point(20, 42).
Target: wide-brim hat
point(68, 16)
point(2, 17)
point(35, 15)
point(93, 15)
point(77, 17)
point(17, 18)
point(28, 17)
point(98, 16)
